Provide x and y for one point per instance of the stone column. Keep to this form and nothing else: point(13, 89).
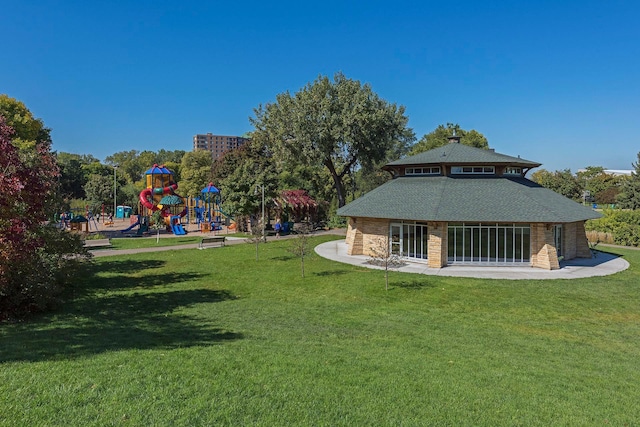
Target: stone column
point(437, 246)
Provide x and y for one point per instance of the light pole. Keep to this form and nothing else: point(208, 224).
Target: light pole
point(263, 236)
point(115, 167)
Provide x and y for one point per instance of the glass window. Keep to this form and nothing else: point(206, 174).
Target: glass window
point(489, 243)
point(409, 239)
point(473, 170)
point(512, 171)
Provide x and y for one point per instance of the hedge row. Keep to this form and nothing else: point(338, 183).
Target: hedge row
point(623, 225)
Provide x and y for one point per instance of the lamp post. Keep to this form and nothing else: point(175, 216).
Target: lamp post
point(263, 236)
point(115, 167)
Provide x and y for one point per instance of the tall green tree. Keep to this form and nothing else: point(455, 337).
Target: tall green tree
point(603, 187)
point(128, 164)
point(196, 172)
point(133, 164)
point(629, 197)
point(339, 124)
point(73, 173)
point(28, 130)
point(440, 136)
point(240, 175)
point(563, 182)
point(99, 191)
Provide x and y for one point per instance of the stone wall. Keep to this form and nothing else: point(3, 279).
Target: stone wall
point(569, 240)
point(437, 246)
point(374, 232)
point(364, 234)
point(543, 250)
point(582, 249)
point(354, 237)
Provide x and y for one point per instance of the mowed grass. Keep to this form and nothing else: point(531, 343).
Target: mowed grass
point(152, 241)
point(215, 337)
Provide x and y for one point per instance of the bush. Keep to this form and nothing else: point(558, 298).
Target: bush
point(34, 281)
point(337, 222)
point(623, 225)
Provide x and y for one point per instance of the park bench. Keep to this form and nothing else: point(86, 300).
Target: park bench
point(210, 242)
point(97, 243)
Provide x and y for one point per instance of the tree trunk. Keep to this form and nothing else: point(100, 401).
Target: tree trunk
point(337, 183)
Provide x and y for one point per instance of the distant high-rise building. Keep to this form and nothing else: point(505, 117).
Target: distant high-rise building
point(217, 144)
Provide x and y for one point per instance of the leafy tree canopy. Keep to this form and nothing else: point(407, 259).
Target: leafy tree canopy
point(601, 186)
point(28, 129)
point(440, 136)
point(240, 175)
point(73, 174)
point(562, 182)
point(196, 172)
point(133, 164)
point(629, 197)
point(340, 125)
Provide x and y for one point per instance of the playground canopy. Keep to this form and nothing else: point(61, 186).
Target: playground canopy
point(210, 189)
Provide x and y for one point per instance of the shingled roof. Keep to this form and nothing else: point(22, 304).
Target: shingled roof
point(467, 199)
point(460, 154)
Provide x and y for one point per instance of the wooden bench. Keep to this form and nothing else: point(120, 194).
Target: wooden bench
point(210, 242)
point(97, 243)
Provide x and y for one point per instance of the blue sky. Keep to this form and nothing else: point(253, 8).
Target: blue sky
point(552, 81)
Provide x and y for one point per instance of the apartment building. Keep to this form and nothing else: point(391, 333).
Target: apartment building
point(217, 144)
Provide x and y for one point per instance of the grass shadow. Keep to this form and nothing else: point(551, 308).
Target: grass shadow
point(284, 258)
point(331, 273)
point(123, 266)
point(413, 284)
point(116, 322)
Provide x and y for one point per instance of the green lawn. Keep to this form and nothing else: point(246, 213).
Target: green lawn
point(203, 338)
point(152, 241)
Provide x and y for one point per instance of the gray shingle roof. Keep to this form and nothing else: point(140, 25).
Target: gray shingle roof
point(455, 153)
point(468, 199)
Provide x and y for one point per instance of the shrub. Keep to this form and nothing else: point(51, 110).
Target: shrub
point(623, 225)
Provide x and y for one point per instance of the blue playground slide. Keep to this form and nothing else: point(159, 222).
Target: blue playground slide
point(137, 223)
point(178, 230)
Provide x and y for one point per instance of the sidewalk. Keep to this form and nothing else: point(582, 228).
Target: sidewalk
point(602, 265)
point(230, 240)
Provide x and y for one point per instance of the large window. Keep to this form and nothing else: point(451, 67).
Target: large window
point(409, 240)
point(481, 243)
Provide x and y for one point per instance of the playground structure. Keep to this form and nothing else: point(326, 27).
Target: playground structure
point(159, 195)
point(207, 210)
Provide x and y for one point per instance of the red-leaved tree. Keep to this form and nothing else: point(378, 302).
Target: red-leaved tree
point(33, 256)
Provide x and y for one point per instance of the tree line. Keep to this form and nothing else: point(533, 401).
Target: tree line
point(330, 138)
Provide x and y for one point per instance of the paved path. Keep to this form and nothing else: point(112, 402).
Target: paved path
point(603, 264)
point(230, 240)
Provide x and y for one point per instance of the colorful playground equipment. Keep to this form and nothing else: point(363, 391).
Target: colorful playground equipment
point(160, 196)
point(208, 213)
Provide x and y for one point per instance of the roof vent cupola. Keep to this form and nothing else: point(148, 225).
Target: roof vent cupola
point(454, 138)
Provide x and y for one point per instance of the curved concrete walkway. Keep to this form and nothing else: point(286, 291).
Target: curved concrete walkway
point(603, 264)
